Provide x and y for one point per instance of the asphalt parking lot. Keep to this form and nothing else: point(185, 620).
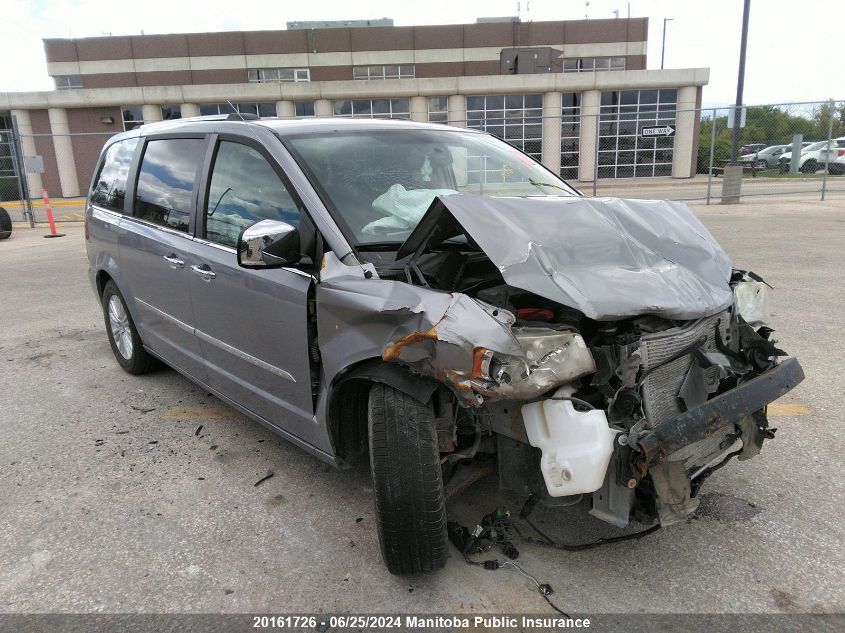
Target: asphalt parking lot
point(136, 494)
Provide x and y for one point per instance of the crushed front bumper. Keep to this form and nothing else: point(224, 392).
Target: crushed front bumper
point(702, 421)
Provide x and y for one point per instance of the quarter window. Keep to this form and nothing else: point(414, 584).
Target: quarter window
point(244, 190)
point(110, 189)
point(166, 181)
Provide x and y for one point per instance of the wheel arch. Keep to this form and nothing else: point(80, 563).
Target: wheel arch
point(101, 278)
point(346, 412)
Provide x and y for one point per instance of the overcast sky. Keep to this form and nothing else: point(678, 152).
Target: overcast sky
point(702, 34)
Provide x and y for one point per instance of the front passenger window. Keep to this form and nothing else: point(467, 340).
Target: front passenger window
point(244, 190)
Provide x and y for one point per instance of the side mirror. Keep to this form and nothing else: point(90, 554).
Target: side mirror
point(268, 244)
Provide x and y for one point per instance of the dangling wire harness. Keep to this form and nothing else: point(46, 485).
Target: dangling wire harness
point(497, 528)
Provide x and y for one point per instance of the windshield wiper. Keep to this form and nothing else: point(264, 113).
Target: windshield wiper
point(537, 183)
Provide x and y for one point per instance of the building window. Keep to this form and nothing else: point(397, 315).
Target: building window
point(438, 109)
point(388, 71)
point(570, 134)
point(133, 116)
point(261, 109)
point(373, 108)
point(171, 112)
point(277, 75)
point(516, 119)
point(303, 108)
point(592, 64)
point(66, 82)
point(622, 151)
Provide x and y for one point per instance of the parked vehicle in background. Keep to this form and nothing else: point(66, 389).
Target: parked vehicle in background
point(834, 156)
point(837, 167)
point(439, 300)
point(751, 148)
point(767, 158)
point(810, 161)
point(5, 224)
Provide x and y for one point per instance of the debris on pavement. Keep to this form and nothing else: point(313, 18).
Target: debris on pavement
point(269, 474)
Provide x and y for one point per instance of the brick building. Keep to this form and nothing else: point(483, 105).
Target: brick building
point(538, 85)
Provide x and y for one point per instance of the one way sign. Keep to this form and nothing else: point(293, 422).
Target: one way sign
point(657, 130)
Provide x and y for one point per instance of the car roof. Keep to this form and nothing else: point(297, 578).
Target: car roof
point(282, 127)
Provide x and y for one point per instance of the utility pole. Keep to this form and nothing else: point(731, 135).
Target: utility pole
point(740, 84)
point(663, 48)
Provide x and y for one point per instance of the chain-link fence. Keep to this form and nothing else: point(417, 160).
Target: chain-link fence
point(634, 144)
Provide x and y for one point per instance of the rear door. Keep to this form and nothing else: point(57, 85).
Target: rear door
point(156, 249)
point(252, 324)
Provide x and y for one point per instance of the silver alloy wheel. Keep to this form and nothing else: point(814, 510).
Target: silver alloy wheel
point(121, 331)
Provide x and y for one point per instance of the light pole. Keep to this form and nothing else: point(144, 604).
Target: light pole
point(663, 48)
point(740, 83)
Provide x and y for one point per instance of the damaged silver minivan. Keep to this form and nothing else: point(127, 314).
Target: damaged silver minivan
point(436, 298)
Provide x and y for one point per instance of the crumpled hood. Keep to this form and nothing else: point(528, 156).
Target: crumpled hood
point(609, 258)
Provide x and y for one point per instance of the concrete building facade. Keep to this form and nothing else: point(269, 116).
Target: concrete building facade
point(545, 87)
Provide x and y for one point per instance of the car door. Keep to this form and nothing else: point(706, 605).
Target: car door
point(252, 324)
point(155, 249)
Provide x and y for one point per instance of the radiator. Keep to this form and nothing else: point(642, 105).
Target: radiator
point(661, 386)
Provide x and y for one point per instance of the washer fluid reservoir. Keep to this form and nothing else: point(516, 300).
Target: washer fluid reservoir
point(576, 445)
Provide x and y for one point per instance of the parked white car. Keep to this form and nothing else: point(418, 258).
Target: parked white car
point(834, 156)
point(837, 167)
point(810, 161)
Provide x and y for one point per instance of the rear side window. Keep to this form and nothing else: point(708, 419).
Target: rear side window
point(109, 191)
point(244, 189)
point(165, 189)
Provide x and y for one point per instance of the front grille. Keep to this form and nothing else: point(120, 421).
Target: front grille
point(661, 386)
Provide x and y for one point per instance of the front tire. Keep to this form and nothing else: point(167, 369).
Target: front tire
point(810, 167)
point(123, 336)
point(407, 480)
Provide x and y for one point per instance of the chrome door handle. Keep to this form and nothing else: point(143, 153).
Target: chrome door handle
point(205, 273)
point(174, 261)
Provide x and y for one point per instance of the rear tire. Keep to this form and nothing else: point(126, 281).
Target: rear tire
point(123, 336)
point(5, 224)
point(407, 480)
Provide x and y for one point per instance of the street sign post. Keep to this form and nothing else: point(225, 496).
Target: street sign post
point(657, 130)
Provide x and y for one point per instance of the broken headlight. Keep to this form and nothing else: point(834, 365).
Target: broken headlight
point(550, 358)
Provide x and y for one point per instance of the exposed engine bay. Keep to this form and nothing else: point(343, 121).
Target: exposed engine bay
point(618, 375)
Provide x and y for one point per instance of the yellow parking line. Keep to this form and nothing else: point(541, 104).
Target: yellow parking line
point(39, 204)
point(788, 408)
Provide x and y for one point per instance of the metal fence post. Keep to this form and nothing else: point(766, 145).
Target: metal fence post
point(712, 152)
point(828, 147)
point(19, 168)
point(596, 157)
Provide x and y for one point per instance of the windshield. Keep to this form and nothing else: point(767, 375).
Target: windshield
point(381, 182)
point(815, 146)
